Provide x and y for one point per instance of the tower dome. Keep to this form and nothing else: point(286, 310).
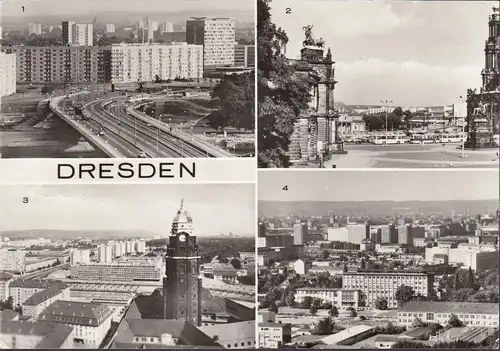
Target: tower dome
point(182, 221)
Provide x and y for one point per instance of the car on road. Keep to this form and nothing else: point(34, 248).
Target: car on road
point(142, 154)
point(149, 125)
point(101, 133)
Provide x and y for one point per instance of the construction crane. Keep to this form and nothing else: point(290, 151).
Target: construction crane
point(94, 21)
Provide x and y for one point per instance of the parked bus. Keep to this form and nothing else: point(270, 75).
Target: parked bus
point(424, 138)
point(452, 138)
point(389, 139)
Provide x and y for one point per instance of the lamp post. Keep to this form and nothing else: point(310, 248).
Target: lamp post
point(463, 130)
point(386, 102)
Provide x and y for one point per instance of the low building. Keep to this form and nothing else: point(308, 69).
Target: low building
point(386, 341)
point(477, 257)
point(349, 336)
point(266, 316)
point(35, 335)
point(90, 321)
point(473, 314)
point(388, 248)
point(338, 297)
point(23, 289)
point(274, 335)
point(239, 335)
point(38, 302)
point(301, 266)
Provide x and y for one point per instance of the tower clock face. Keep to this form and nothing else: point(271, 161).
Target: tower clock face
point(182, 238)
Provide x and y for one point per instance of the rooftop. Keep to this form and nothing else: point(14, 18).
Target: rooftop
point(345, 334)
point(450, 307)
point(273, 325)
point(36, 283)
point(5, 276)
point(42, 296)
point(230, 332)
point(8, 315)
point(74, 312)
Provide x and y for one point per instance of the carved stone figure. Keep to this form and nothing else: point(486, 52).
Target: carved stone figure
point(309, 40)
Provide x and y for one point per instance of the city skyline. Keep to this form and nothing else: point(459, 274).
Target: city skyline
point(403, 185)
point(129, 207)
point(40, 8)
point(382, 46)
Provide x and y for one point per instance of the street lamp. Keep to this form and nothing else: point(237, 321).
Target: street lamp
point(386, 102)
point(463, 130)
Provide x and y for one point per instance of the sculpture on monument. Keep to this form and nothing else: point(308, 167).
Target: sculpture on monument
point(309, 40)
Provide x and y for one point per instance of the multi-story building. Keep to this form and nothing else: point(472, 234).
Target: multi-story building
point(477, 257)
point(104, 254)
point(21, 334)
point(385, 284)
point(301, 266)
point(38, 302)
point(244, 55)
point(83, 34)
point(34, 28)
point(118, 271)
point(405, 234)
point(79, 256)
point(23, 289)
point(240, 335)
point(110, 28)
point(143, 62)
point(90, 321)
point(217, 35)
point(166, 27)
point(358, 232)
point(338, 297)
point(67, 32)
point(5, 280)
point(338, 234)
point(471, 314)
point(140, 246)
point(388, 234)
point(129, 247)
point(274, 335)
point(300, 233)
point(12, 260)
point(61, 64)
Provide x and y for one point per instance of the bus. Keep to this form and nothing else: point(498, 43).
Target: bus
point(424, 138)
point(139, 98)
point(452, 138)
point(389, 139)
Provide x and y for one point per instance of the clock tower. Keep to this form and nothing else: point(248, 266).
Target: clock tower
point(182, 285)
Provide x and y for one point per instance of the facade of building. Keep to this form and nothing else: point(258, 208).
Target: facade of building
point(90, 321)
point(405, 234)
point(79, 256)
point(67, 32)
point(118, 271)
point(12, 260)
point(7, 74)
point(83, 34)
point(338, 234)
point(38, 302)
point(300, 233)
point(239, 335)
point(166, 27)
point(244, 55)
point(388, 234)
point(104, 254)
point(338, 297)
point(302, 266)
point(143, 62)
point(472, 314)
point(358, 232)
point(34, 28)
point(23, 289)
point(217, 35)
point(385, 284)
point(274, 335)
point(5, 280)
point(182, 286)
point(110, 28)
point(477, 257)
point(61, 64)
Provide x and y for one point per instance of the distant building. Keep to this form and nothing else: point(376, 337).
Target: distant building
point(146, 270)
point(90, 321)
point(405, 234)
point(301, 266)
point(300, 233)
point(34, 28)
point(12, 260)
point(79, 256)
point(472, 314)
point(338, 297)
point(385, 284)
point(244, 55)
point(166, 27)
point(67, 32)
point(477, 257)
point(217, 35)
point(274, 335)
point(104, 254)
point(83, 34)
point(110, 28)
point(338, 234)
point(7, 74)
point(358, 232)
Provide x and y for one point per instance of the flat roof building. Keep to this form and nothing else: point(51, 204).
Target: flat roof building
point(7, 74)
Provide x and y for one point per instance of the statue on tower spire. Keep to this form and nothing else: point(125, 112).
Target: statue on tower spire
point(182, 204)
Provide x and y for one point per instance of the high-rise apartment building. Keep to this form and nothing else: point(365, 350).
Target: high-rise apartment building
point(385, 284)
point(166, 27)
point(105, 254)
point(59, 64)
point(182, 286)
point(388, 234)
point(7, 74)
point(79, 256)
point(34, 28)
point(217, 35)
point(110, 28)
point(13, 260)
point(67, 32)
point(244, 56)
point(358, 232)
point(299, 233)
point(405, 234)
point(143, 62)
point(77, 33)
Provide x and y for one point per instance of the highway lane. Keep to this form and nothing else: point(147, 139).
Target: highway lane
point(177, 147)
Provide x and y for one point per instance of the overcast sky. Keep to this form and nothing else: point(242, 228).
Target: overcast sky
point(13, 8)
point(410, 52)
point(378, 185)
point(215, 208)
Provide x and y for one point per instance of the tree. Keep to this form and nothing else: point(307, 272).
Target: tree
point(290, 299)
point(7, 304)
point(324, 326)
point(333, 312)
point(281, 94)
point(236, 99)
point(157, 79)
point(235, 263)
point(345, 268)
point(325, 254)
point(353, 311)
point(417, 323)
point(381, 303)
point(313, 310)
point(317, 303)
point(404, 294)
point(306, 302)
point(408, 344)
point(471, 282)
point(456, 281)
point(429, 245)
point(454, 321)
point(363, 264)
point(272, 307)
